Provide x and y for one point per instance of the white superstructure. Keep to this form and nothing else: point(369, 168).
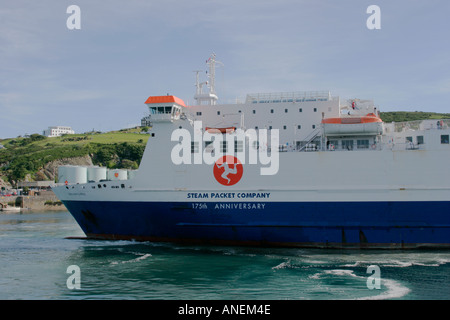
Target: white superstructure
point(295, 114)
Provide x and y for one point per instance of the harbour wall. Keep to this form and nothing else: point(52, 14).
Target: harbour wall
point(45, 201)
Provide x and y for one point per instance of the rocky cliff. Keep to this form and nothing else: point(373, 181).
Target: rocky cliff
point(50, 170)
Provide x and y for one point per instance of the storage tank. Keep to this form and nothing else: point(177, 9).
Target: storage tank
point(72, 174)
point(117, 174)
point(96, 173)
point(131, 174)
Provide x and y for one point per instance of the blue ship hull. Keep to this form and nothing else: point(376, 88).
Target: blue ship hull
point(287, 224)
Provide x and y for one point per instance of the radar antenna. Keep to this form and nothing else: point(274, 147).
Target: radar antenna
point(211, 97)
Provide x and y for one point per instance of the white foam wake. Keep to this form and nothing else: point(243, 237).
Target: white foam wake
point(142, 257)
point(394, 288)
point(283, 265)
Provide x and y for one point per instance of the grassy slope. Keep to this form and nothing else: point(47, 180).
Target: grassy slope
point(113, 149)
point(400, 116)
point(104, 138)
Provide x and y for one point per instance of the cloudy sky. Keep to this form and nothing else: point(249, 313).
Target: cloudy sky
point(99, 77)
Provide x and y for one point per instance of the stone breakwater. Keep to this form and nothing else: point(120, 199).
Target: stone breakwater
point(45, 201)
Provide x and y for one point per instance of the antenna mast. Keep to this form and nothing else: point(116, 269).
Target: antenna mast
point(211, 97)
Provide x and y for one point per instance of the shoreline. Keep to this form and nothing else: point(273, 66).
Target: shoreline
point(47, 200)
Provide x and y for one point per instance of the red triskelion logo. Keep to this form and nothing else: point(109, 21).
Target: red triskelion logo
point(228, 170)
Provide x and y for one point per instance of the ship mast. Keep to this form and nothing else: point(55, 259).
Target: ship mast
point(209, 98)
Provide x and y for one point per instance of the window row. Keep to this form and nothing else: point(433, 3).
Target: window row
point(160, 110)
point(349, 144)
point(199, 113)
point(419, 139)
point(289, 100)
point(238, 146)
point(285, 127)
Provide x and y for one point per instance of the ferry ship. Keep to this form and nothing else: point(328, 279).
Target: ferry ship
point(290, 169)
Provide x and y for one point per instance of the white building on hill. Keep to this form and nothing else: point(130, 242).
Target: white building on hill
point(57, 131)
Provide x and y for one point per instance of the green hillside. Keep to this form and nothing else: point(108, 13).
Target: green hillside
point(400, 116)
point(116, 149)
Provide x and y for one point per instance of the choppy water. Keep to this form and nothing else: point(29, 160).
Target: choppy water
point(35, 256)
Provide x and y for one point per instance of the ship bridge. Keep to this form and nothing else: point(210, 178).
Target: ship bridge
point(162, 109)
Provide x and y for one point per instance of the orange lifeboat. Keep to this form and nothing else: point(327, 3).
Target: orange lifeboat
point(369, 124)
point(220, 130)
point(368, 118)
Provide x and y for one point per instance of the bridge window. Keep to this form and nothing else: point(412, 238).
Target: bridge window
point(161, 110)
point(444, 139)
point(156, 110)
point(420, 140)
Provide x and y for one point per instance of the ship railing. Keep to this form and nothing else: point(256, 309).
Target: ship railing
point(417, 125)
point(277, 97)
point(403, 146)
point(308, 141)
point(366, 147)
point(312, 146)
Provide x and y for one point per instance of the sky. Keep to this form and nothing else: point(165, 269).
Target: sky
point(99, 76)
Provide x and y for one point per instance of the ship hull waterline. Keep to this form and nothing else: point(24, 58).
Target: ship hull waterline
point(364, 225)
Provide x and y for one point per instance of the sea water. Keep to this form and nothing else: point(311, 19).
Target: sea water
point(38, 262)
